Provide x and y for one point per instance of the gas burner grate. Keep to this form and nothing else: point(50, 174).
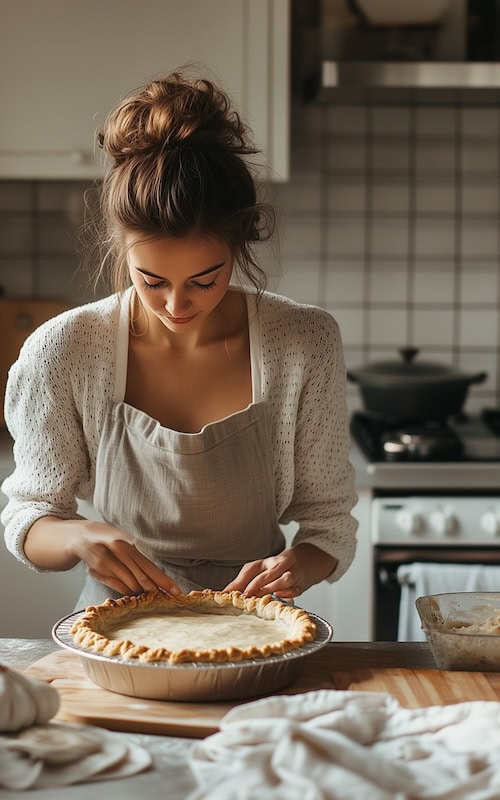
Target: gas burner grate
point(372, 432)
point(491, 418)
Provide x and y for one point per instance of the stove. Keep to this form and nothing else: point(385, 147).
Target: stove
point(431, 493)
point(462, 452)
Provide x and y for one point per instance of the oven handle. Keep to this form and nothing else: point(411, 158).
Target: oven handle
point(443, 555)
point(389, 559)
point(388, 577)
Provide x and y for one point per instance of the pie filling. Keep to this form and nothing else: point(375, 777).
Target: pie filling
point(200, 626)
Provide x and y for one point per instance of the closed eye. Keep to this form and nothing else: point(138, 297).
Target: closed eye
point(152, 285)
point(204, 285)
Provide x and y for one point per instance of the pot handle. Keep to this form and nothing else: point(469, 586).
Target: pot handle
point(479, 377)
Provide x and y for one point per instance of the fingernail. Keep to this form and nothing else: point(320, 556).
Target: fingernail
point(174, 590)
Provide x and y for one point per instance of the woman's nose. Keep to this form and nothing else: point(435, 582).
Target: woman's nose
point(176, 303)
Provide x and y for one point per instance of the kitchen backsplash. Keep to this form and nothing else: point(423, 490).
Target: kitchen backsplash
point(390, 221)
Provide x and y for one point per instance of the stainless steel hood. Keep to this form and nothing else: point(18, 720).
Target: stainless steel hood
point(407, 74)
point(458, 57)
point(430, 82)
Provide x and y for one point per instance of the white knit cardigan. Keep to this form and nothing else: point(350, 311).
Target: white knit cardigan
point(61, 386)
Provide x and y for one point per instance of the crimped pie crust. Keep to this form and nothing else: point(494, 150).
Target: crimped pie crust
point(290, 628)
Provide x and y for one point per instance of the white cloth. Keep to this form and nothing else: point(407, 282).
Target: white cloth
point(61, 754)
point(350, 746)
point(422, 578)
point(61, 387)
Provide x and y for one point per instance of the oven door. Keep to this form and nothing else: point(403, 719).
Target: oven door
point(388, 590)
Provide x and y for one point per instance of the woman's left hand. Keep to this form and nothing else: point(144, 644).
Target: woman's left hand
point(286, 575)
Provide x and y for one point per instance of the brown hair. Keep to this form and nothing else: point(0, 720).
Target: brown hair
point(180, 163)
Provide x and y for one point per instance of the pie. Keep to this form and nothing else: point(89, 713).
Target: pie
point(202, 626)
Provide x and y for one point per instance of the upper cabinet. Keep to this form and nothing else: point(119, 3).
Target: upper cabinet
point(66, 63)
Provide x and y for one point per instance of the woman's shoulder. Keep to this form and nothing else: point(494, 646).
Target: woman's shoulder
point(79, 329)
point(300, 321)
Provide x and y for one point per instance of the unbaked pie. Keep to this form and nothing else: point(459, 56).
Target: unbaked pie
point(204, 626)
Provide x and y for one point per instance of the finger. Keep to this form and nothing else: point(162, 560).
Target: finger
point(154, 575)
point(111, 582)
point(285, 583)
point(245, 575)
point(105, 566)
point(146, 574)
point(119, 571)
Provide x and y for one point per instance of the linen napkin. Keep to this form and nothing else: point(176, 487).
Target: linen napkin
point(60, 754)
point(350, 746)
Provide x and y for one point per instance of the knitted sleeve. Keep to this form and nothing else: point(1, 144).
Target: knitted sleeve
point(324, 482)
point(52, 465)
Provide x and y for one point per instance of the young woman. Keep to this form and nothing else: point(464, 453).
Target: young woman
point(196, 410)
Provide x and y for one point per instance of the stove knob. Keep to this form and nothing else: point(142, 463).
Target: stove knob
point(409, 521)
point(490, 522)
point(444, 522)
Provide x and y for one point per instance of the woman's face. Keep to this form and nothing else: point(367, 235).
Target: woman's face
point(180, 281)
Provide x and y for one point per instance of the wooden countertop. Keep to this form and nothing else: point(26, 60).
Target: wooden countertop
point(406, 670)
point(368, 666)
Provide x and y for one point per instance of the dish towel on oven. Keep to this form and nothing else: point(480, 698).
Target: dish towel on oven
point(350, 745)
point(421, 578)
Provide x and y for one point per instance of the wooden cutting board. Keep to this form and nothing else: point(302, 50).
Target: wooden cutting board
point(346, 668)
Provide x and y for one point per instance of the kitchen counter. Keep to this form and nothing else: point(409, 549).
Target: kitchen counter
point(413, 476)
point(342, 665)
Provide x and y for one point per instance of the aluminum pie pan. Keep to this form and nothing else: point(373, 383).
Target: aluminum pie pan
point(200, 682)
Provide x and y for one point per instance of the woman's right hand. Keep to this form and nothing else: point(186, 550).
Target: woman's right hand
point(109, 553)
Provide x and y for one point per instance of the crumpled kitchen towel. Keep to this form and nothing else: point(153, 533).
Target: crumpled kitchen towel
point(422, 578)
point(329, 744)
point(59, 754)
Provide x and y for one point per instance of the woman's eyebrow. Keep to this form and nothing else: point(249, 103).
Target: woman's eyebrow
point(198, 274)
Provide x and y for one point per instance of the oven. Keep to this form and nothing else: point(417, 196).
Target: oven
point(435, 536)
point(434, 517)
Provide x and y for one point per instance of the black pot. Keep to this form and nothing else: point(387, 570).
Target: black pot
point(413, 391)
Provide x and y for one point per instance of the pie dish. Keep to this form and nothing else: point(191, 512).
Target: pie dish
point(202, 626)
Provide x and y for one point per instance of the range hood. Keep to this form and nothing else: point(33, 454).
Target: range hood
point(460, 53)
point(410, 74)
point(393, 82)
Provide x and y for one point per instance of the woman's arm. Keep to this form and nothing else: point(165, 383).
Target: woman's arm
point(288, 574)
point(110, 554)
point(323, 490)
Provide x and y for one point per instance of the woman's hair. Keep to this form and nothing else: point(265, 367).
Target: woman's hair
point(179, 163)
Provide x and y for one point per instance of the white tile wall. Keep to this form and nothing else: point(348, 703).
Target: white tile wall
point(434, 283)
point(408, 239)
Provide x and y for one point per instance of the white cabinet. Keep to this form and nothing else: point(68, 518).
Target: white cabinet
point(65, 63)
point(31, 602)
point(352, 611)
point(347, 603)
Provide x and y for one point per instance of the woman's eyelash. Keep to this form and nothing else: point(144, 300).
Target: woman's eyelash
point(198, 285)
point(205, 285)
point(151, 285)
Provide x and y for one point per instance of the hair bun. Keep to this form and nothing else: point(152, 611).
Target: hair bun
point(171, 113)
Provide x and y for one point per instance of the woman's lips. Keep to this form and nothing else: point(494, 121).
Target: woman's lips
point(179, 320)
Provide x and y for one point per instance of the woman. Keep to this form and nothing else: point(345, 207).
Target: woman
point(195, 409)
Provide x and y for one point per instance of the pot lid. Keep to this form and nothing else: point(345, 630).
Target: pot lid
point(386, 372)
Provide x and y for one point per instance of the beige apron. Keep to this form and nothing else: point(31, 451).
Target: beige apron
point(199, 505)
